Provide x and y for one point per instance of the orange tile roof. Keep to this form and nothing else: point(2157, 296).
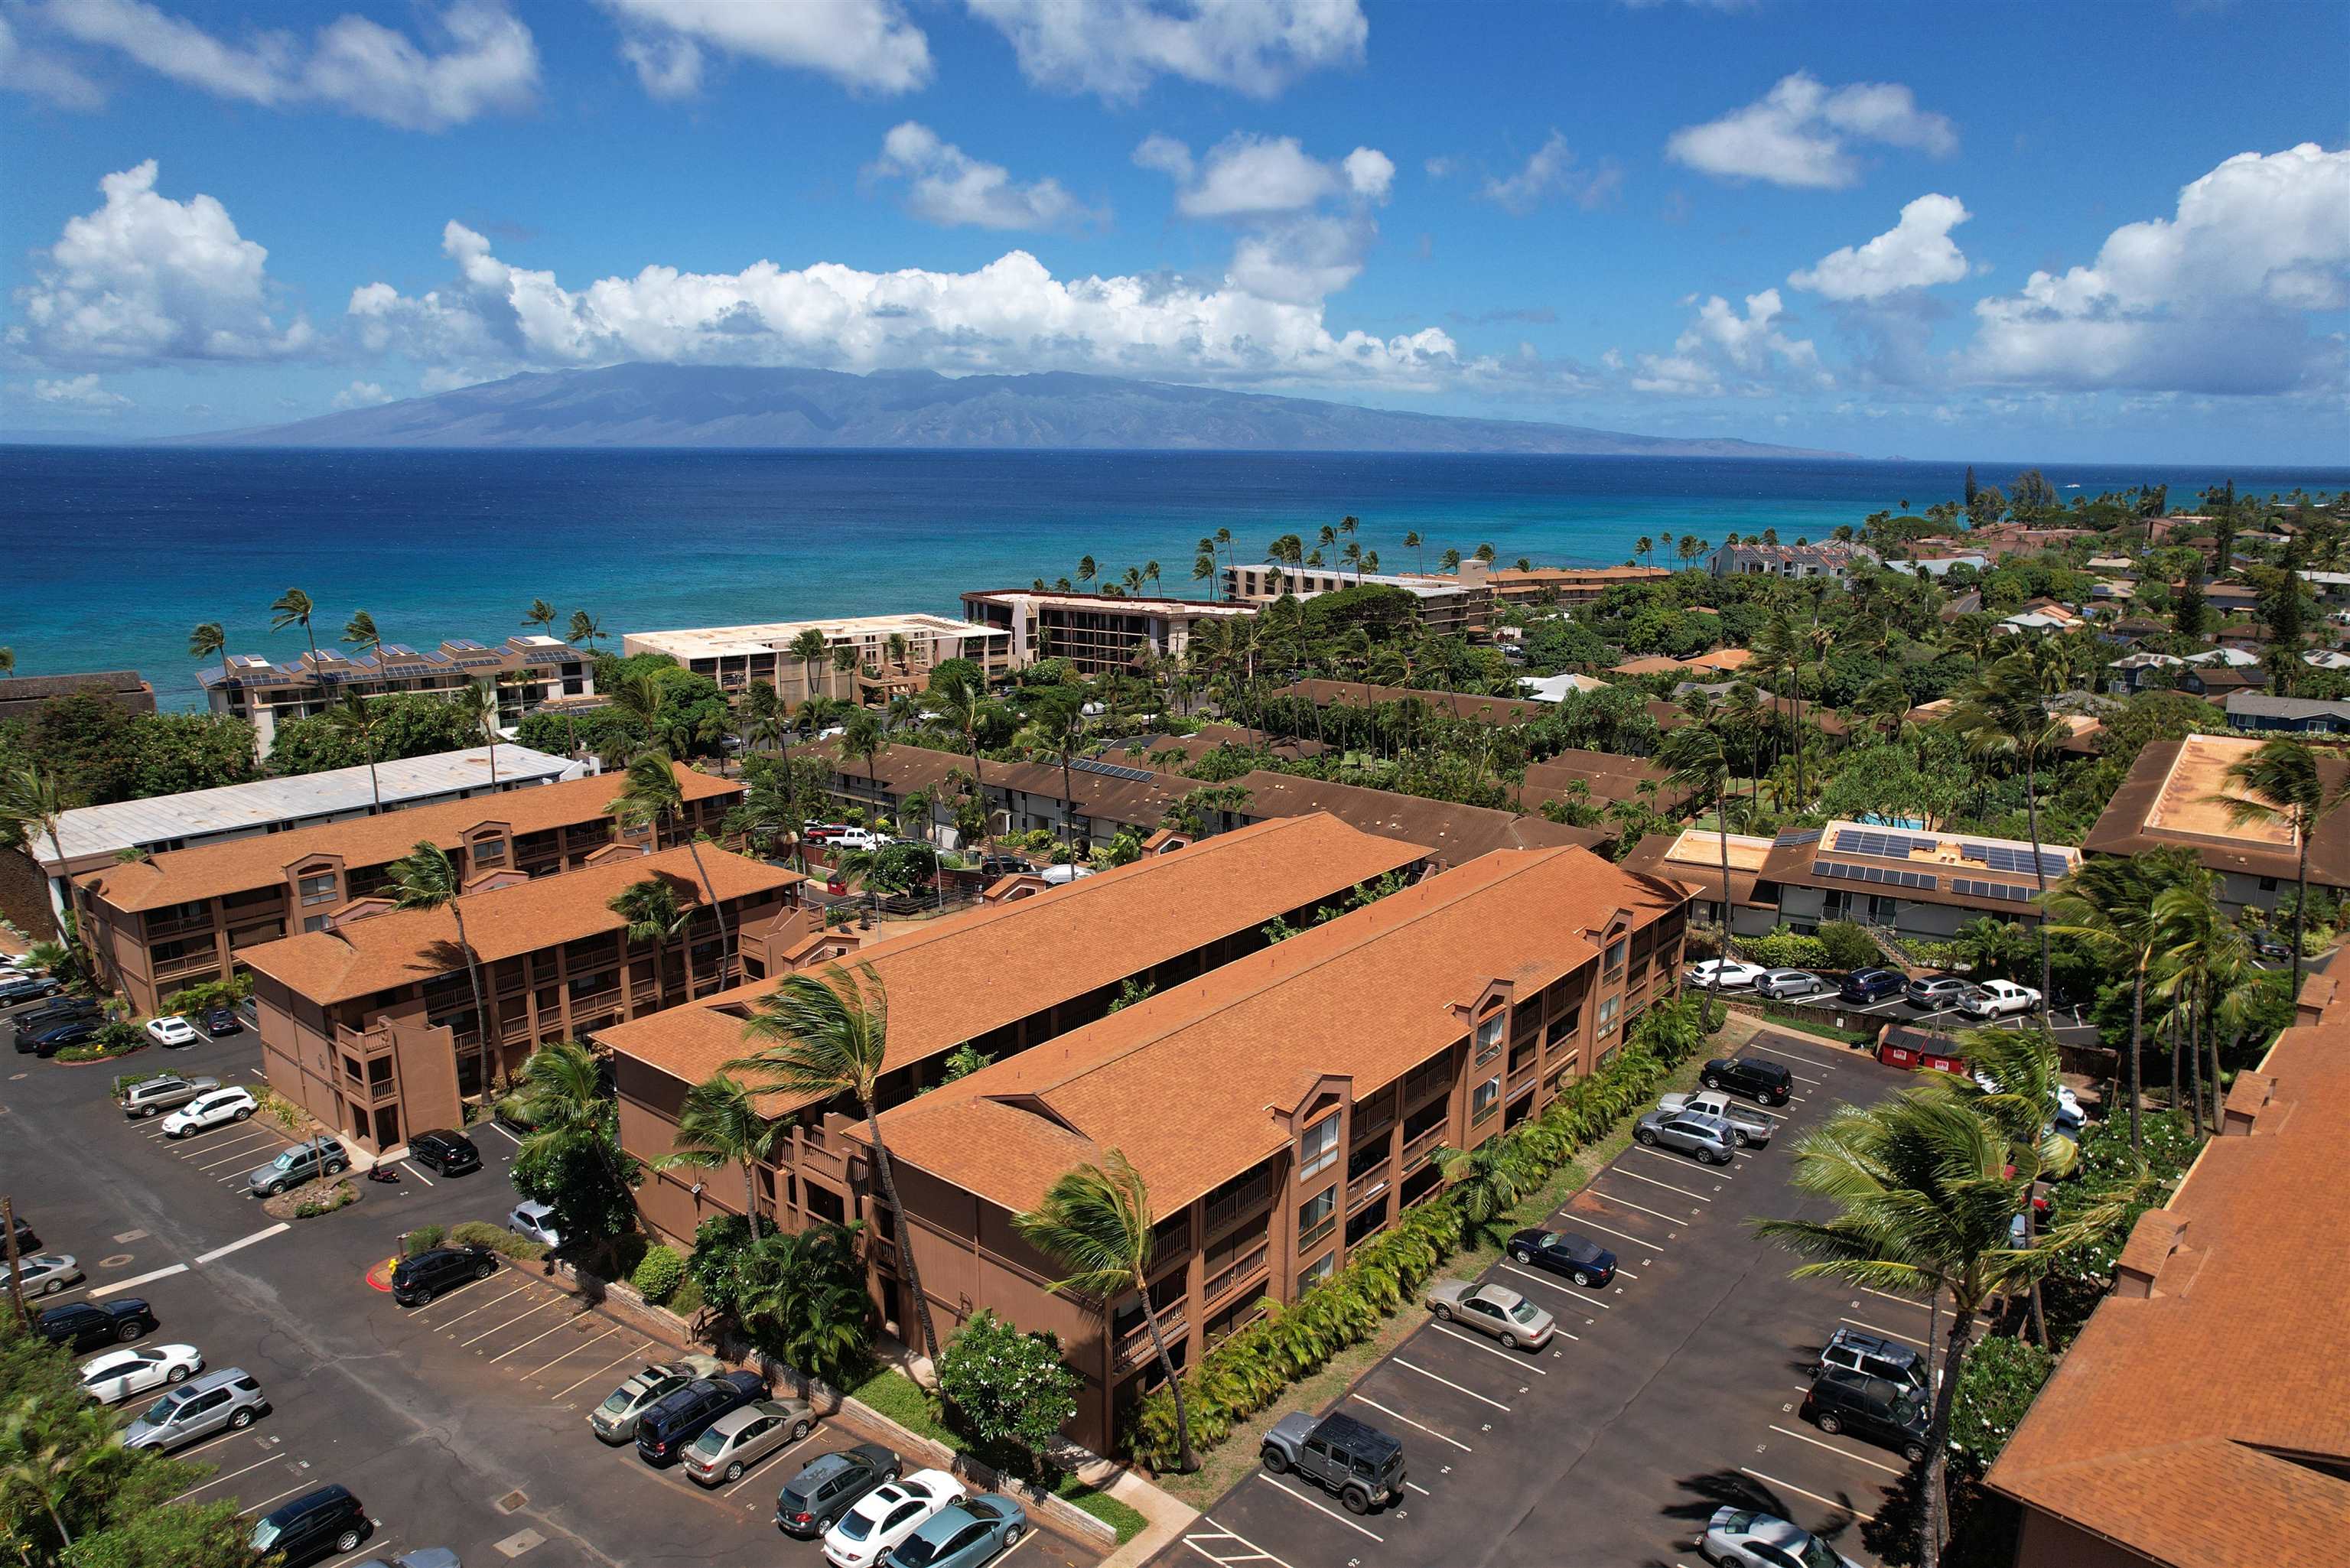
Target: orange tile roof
point(2154, 1432)
point(958, 978)
point(1654, 664)
point(238, 864)
point(399, 948)
point(1185, 1082)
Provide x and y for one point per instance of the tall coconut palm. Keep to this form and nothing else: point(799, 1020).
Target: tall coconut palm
point(361, 637)
point(656, 919)
point(861, 740)
point(207, 641)
point(2002, 713)
point(963, 708)
point(356, 722)
point(1095, 1221)
point(540, 615)
point(31, 802)
point(478, 699)
point(2014, 1084)
point(587, 629)
point(651, 796)
point(2107, 903)
point(810, 647)
point(1060, 721)
point(292, 608)
point(2278, 782)
point(826, 1036)
point(426, 878)
point(565, 1100)
point(718, 1123)
point(1696, 764)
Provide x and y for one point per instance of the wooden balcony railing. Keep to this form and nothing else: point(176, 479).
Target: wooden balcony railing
point(1137, 1345)
point(1248, 1266)
point(1417, 1149)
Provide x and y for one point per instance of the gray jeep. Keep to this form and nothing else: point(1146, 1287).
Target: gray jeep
point(1360, 1463)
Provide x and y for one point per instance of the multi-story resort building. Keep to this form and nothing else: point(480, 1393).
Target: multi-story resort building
point(1098, 633)
point(1444, 607)
point(1563, 586)
point(886, 654)
point(530, 672)
point(1752, 559)
point(2176, 797)
point(1030, 964)
point(369, 1023)
point(180, 917)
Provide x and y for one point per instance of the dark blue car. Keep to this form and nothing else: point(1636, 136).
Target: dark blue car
point(1579, 1258)
point(1865, 985)
point(58, 1037)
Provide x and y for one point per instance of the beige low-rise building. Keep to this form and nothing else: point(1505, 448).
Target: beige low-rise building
point(529, 671)
point(883, 654)
point(1099, 634)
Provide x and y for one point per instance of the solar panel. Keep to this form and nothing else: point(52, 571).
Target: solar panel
point(1797, 835)
point(2010, 857)
point(1111, 770)
point(1887, 846)
point(1971, 887)
point(1885, 875)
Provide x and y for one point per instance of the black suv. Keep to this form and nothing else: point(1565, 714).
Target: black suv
point(1876, 1408)
point(663, 1431)
point(49, 1015)
point(813, 1500)
point(1866, 985)
point(418, 1279)
point(86, 1326)
point(1360, 1463)
point(444, 1153)
point(322, 1524)
point(1766, 1083)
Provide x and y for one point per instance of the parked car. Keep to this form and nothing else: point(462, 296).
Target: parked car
point(823, 832)
point(1503, 1313)
point(1876, 1408)
point(86, 1325)
point(968, 1533)
point(228, 1400)
point(677, 1418)
point(172, 1031)
point(1753, 1127)
point(2272, 947)
point(1726, 974)
point(887, 1515)
point(416, 1281)
point(118, 1374)
point(534, 1221)
point(1780, 982)
point(994, 866)
point(323, 1523)
point(1710, 1138)
point(615, 1420)
point(45, 1273)
point(161, 1093)
point(1867, 985)
point(1743, 1538)
point(221, 1022)
point(856, 838)
point(1764, 1081)
point(444, 1153)
point(28, 988)
point(811, 1501)
point(293, 1166)
point(2068, 1115)
point(62, 1010)
point(1579, 1258)
point(52, 1038)
point(216, 1107)
point(741, 1439)
point(1999, 999)
point(1856, 1350)
point(26, 1241)
point(1936, 992)
point(1360, 1463)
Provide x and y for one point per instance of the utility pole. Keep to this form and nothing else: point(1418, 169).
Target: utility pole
point(16, 1279)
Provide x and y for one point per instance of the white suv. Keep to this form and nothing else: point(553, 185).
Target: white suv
point(210, 1110)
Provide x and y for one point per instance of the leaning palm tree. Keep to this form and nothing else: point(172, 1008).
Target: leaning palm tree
point(1697, 765)
point(426, 878)
point(587, 629)
point(31, 802)
point(656, 919)
point(208, 640)
point(718, 1123)
point(2003, 712)
point(1095, 1221)
point(360, 637)
point(292, 608)
point(826, 1036)
point(2278, 782)
point(2014, 1082)
point(651, 796)
point(540, 615)
point(356, 722)
point(2107, 903)
point(810, 647)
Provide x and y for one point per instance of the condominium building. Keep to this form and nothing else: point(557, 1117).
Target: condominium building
point(528, 671)
point(2175, 797)
point(368, 1024)
point(181, 917)
point(1752, 559)
point(884, 654)
point(1280, 1109)
point(1444, 607)
point(1031, 964)
point(1099, 633)
point(21, 696)
point(1565, 587)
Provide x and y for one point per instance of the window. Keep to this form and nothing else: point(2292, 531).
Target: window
point(1489, 1036)
point(2268, 884)
point(319, 888)
point(1318, 1147)
point(488, 852)
point(1487, 1095)
point(1315, 1214)
point(1608, 1007)
point(1614, 965)
point(1317, 1273)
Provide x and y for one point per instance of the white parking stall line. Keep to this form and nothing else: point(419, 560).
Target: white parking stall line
point(277, 1230)
point(1559, 1285)
point(1652, 1181)
point(514, 1320)
point(1255, 1553)
point(229, 1476)
point(1800, 1079)
point(418, 1174)
point(1790, 1486)
point(1420, 1489)
point(510, 1137)
point(372, 1545)
point(1473, 1342)
point(247, 1140)
point(1892, 1334)
point(1319, 1509)
point(639, 1353)
point(1843, 1453)
point(443, 1300)
point(1619, 1235)
point(1625, 1273)
point(1905, 1301)
point(1762, 1111)
point(1777, 1055)
point(1720, 1172)
point(750, 1474)
point(526, 1343)
point(265, 1502)
point(242, 1156)
point(1432, 1378)
point(1407, 1421)
point(587, 1344)
point(1018, 1544)
point(484, 1307)
point(1628, 1203)
point(136, 1279)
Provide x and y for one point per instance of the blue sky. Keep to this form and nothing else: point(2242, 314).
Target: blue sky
point(2084, 230)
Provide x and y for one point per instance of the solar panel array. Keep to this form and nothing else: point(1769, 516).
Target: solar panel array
point(2007, 857)
point(1971, 887)
point(1797, 835)
point(1892, 845)
point(1892, 876)
point(1111, 770)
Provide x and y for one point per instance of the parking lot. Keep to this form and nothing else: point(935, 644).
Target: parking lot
point(461, 1423)
point(1667, 1393)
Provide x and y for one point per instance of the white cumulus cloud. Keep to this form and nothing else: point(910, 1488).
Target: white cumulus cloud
point(1722, 352)
point(951, 187)
point(361, 395)
point(1551, 171)
point(145, 279)
point(2212, 300)
point(1116, 48)
point(351, 64)
point(1801, 133)
point(1915, 252)
point(79, 395)
point(867, 45)
point(1245, 176)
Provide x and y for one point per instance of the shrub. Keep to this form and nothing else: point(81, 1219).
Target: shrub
point(1848, 946)
point(657, 1273)
point(423, 1239)
point(686, 1299)
point(342, 1194)
point(498, 1238)
point(1783, 948)
point(2001, 1376)
point(1002, 1387)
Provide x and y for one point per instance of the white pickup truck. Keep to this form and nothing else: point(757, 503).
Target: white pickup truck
point(1753, 1127)
point(1998, 999)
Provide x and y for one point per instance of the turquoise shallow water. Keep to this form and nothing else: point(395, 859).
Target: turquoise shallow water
point(113, 553)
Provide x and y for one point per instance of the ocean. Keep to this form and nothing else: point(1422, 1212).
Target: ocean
point(115, 552)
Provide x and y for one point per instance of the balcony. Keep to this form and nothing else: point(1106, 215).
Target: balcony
point(1418, 1148)
point(1358, 1196)
point(1244, 1269)
point(205, 963)
point(1136, 1346)
point(1226, 1211)
point(163, 931)
point(595, 1002)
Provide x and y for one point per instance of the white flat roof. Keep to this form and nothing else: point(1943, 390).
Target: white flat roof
point(770, 636)
point(255, 807)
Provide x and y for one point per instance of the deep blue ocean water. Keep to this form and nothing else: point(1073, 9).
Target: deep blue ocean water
point(113, 554)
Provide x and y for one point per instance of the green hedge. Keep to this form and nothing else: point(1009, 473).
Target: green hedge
point(657, 1273)
point(1248, 1372)
point(498, 1238)
point(423, 1239)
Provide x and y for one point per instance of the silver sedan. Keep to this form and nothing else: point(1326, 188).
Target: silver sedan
point(737, 1441)
point(1503, 1313)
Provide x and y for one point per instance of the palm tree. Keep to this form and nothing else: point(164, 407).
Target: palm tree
point(828, 1035)
point(810, 647)
point(356, 722)
point(540, 615)
point(1061, 725)
point(1086, 569)
point(563, 1095)
point(426, 878)
point(1644, 547)
point(2278, 783)
point(656, 919)
point(31, 802)
point(1486, 1182)
point(1095, 1221)
point(587, 629)
point(861, 740)
point(360, 635)
point(7, 661)
point(961, 704)
point(2004, 712)
point(292, 608)
point(479, 701)
point(2107, 903)
point(807, 1299)
point(651, 796)
point(1696, 764)
point(718, 1123)
point(1412, 542)
point(206, 640)
point(2013, 1084)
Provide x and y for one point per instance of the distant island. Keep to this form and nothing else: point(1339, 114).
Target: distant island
point(723, 406)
